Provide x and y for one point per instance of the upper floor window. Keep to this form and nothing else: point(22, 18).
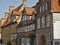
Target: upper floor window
point(26, 17)
point(43, 7)
point(38, 23)
point(46, 6)
point(29, 27)
point(13, 17)
point(59, 2)
point(48, 20)
point(43, 22)
point(33, 16)
point(40, 9)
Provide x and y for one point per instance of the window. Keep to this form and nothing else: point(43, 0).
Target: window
point(28, 17)
point(25, 41)
point(49, 38)
point(48, 20)
point(40, 9)
point(13, 17)
point(43, 22)
point(43, 7)
point(38, 23)
point(59, 2)
point(29, 27)
point(24, 18)
point(14, 36)
point(37, 39)
point(49, 35)
point(56, 43)
point(33, 16)
point(46, 6)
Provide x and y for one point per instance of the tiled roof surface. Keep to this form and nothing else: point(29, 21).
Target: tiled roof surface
point(55, 5)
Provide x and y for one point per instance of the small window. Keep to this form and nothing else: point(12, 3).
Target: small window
point(59, 2)
point(56, 43)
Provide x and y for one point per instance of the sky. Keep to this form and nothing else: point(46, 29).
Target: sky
point(4, 5)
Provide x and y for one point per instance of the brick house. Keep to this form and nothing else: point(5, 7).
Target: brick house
point(48, 12)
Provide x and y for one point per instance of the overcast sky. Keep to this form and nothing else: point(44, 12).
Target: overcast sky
point(4, 5)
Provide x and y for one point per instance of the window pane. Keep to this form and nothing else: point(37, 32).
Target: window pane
point(48, 20)
point(38, 23)
point(40, 9)
point(43, 22)
point(56, 43)
point(43, 7)
point(46, 6)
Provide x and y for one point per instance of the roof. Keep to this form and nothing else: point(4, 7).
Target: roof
point(17, 13)
point(7, 21)
point(29, 11)
point(55, 5)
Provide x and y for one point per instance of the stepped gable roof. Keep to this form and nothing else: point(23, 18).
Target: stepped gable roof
point(8, 20)
point(29, 11)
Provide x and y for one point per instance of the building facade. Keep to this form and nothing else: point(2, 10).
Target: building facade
point(48, 22)
point(7, 33)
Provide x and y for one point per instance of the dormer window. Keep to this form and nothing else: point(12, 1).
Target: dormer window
point(24, 18)
point(13, 17)
point(59, 2)
point(33, 16)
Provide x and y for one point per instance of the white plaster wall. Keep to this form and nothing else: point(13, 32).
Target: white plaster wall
point(56, 25)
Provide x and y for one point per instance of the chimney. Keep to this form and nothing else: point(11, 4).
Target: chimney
point(11, 8)
point(6, 14)
point(24, 3)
